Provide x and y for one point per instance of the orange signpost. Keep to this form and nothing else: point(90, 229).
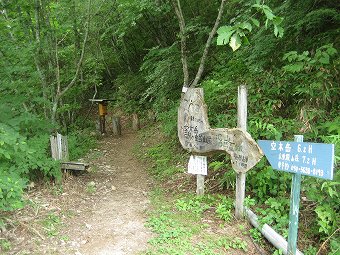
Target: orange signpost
point(102, 110)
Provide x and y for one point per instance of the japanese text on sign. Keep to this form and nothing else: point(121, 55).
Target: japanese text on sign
point(195, 134)
point(198, 165)
point(313, 159)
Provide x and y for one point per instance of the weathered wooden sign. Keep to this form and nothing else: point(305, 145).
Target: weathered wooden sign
point(196, 136)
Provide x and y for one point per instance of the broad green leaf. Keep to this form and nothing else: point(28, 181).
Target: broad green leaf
point(268, 14)
point(277, 20)
point(257, 6)
point(235, 42)
point(278, 31)
point(266, 23)
point(255, 22)
point(324, 58)
point(294, 68)
point(246, 25)
point(281, 32)
point(224, 34)
point(331, 51)
point(290, 56)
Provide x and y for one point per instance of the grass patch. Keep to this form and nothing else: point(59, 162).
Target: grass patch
point(180, 227)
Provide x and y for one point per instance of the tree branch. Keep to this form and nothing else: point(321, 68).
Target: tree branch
point(207, 45)
point(72, 82)
point(184, 58)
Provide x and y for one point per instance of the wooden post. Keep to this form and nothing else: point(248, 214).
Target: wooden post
point(198, 165)
point(135, 122)
point(59, 147)
point(241, 123)
point(294, 208)
point(116, 127)
point(102, 124)
point(200, 184)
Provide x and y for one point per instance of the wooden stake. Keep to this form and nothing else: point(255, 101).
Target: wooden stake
point(102, 124)
point(294, 208)
point(200, 184)
point(241, 123)
point(135, 122)
point(116, 127)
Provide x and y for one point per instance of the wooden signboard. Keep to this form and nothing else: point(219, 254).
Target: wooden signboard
point(196, 136)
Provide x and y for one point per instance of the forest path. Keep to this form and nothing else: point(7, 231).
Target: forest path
point(111, 220)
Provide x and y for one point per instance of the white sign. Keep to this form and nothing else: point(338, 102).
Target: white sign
point(198, 165)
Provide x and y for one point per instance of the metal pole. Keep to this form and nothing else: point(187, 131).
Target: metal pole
point(294, 208)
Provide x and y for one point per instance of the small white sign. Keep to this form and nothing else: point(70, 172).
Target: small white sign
point(198, 165)
point(184, 89)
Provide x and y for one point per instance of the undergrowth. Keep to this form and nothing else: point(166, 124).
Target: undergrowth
point(178, 218)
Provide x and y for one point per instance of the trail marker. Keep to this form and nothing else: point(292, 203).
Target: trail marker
point(312, 159)
point(299, 158)
point(198, 165)
point(196, 136)
point(102, 110)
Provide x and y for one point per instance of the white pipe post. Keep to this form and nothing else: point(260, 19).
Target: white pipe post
point(241, 123)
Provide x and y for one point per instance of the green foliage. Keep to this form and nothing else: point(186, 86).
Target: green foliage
point(52, 224)
point(162, 74)
point(236, 35)
point(79, 143)
point(130, 87)
point(267, 182)
point(194, 205)
point(162, 155)
point(223, 209)
point(5, 245)
point(179, 230)
point(256, 235)
point(11, 191)
point(276, 214)
point(236, 243)
point(19, 158)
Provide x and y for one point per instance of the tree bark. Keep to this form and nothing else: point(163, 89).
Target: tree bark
point(59, 91)
point(177, 6)
point(207, 45)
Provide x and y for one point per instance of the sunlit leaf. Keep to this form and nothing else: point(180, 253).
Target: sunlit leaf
point(224, 34)
point(293, 68)
point(268, 14)
point(235, 42)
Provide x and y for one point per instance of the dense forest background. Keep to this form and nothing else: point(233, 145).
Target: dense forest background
point(56, 55)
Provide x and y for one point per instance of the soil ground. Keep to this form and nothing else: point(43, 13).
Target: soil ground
point(99, 212)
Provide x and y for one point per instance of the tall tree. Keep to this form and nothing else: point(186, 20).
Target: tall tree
point(177, 6)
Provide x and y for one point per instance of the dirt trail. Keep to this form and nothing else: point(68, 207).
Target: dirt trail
point(114, 223)
point(100, 212)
